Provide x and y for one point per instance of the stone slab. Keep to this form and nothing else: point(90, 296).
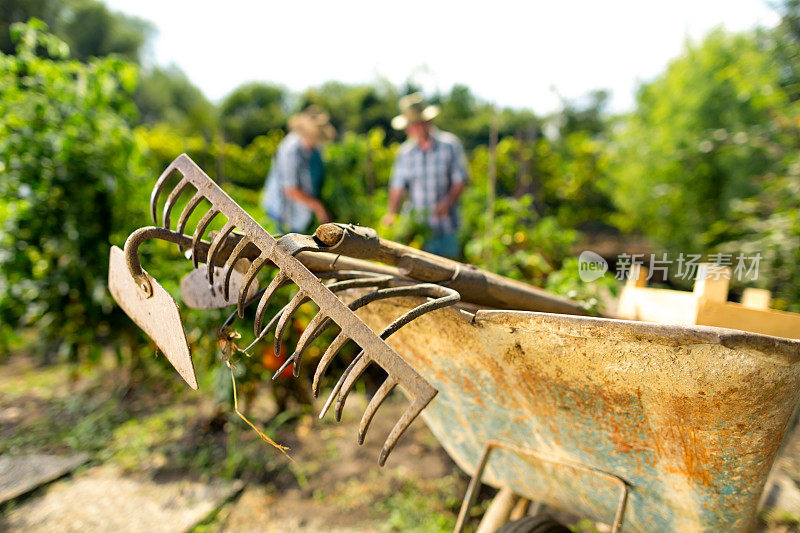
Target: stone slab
point(104, 500)
point(21, 474)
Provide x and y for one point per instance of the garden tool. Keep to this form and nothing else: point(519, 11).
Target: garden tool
point(241, 237)
point(198, 293)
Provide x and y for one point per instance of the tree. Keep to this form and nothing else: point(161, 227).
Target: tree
point(91, 30)
point(356, 108)
point(12, 11)
point(167, 95)
point(787, 47)
point(697, 138)
point(253, 109)
point(69, 180)
point(585, 115)
point(87, 26)
point(470, 118)
point(767, 224)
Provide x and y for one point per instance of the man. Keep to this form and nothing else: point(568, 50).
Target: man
point(431, 166)
point(291, 194)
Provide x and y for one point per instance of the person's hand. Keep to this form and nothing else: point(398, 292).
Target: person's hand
point(323, 215)
point(442, 209)
point(388, 219)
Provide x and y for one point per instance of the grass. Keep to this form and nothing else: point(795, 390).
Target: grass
point(402, 502)
point(170, 432)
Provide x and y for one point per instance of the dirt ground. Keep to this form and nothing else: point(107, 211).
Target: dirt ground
point(331, 483)
point(152, 439)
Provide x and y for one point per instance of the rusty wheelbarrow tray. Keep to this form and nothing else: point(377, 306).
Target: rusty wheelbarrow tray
point(674, 427)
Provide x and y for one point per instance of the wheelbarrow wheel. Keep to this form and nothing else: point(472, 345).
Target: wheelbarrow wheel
point(534, 524)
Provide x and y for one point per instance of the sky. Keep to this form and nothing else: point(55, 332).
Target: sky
point(521, 54)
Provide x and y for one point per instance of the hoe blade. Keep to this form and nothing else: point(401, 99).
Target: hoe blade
point(198, 293)
point(157, 315)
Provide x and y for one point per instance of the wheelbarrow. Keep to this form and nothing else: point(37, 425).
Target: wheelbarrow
point(661, 427)
point(657, 427)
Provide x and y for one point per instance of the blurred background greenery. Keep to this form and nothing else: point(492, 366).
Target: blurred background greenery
point(707, 161)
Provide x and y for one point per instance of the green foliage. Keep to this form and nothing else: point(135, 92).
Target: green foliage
point(87, 26)
point(91, 30)
point(250, 165)
point(251, 110)
point(358, 170)
point(165, 95)
point(470, 118)
point(573, 187)
point(520, 244)
point(356, 108)
point(590, 296)
point(12, 11)
point(786, 39)
point(420, 505)
point(244, 166)
point(699, 135)
point(584, 116)
point(768, 224)
point(69, 168)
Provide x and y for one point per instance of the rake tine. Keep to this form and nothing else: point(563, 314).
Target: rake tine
point(360, 363)
point(213, 249)
point(257, 265)
point(353, 283)
point(408, 417)
point(188, 209)
point(384, 294)
point(277, 282)
point(172, 198)
point(232, 316)
point(264, 331)
point(315, 328)
point(337, 387)
point(420, 310)
point(237, 251)
point(281, 279)
point(200, 230)
point(305, 340)
point(326, 359)
point(352, 373)
point(299, 299)
point(283, 367)
point(159, 186)
point(383, 392)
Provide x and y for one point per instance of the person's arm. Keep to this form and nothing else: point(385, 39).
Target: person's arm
point(445, 204)
point(291, 165)
point(397, 189)
point(458, 180)
point(395, 199)
point(297, 195)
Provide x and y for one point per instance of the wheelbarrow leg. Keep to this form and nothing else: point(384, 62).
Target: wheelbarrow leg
point(521, 509)
point(501, 507)
point(499, 511)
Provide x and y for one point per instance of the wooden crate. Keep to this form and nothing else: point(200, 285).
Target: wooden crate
point(706, 305)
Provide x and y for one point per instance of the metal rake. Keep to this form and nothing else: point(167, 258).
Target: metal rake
point(241, 236)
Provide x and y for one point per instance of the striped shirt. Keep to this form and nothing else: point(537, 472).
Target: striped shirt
point(428, 176)
point(294, 166)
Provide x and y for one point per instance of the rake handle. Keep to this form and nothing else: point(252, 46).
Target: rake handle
point(348, 247)
point(317, 262)
point(475, 285)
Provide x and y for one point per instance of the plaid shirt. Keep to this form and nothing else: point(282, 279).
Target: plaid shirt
point(428, 176)
point(291, 167)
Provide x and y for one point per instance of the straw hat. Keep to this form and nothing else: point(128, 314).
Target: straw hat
point(313, 124)
point(413, 109)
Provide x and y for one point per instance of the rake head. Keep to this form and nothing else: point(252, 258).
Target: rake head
point(129, 283)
